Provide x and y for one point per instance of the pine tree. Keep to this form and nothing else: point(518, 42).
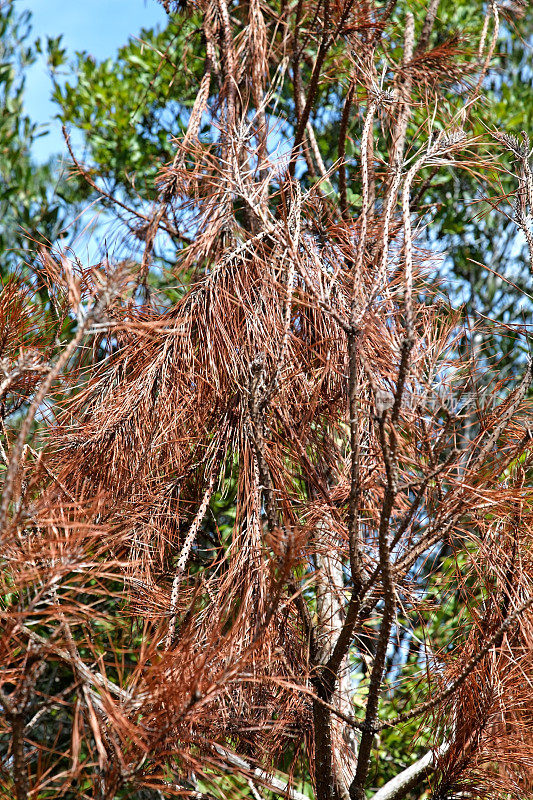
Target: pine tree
point(263, 534)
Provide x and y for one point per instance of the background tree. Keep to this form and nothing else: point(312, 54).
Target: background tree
point(309, 382)
point(37, 203)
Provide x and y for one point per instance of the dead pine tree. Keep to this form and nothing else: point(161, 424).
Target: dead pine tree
point(363, 626)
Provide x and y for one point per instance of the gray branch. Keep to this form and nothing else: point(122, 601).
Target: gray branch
point(398, 786)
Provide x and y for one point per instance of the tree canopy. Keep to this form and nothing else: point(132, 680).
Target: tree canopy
point(37, 203)
point(266, 503)
point(148, 90)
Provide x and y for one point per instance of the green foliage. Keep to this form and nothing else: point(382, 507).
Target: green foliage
point(129, 108)
point(36, 201)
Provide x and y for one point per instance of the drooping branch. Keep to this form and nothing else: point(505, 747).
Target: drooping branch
point(439, 698)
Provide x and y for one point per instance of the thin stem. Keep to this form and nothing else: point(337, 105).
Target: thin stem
point(341, 149)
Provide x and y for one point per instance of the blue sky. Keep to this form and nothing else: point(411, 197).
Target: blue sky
point(99, 26)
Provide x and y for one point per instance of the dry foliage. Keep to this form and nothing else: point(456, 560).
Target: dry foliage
point(310, 374)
